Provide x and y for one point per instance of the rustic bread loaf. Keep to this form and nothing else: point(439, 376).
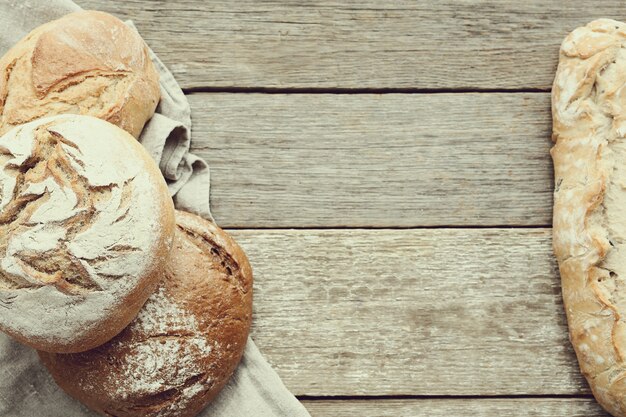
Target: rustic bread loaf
point(589, 112)
point(184, 345)
point(87, 63)
point(86, 226)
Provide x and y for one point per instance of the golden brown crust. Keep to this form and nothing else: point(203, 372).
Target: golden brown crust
point(87, 63)
point(589, 114)
point(186, 342)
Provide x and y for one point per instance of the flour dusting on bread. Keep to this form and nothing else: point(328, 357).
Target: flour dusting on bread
point(168, 355)
point(183, 346)
point(589, 111)
point(80, 229)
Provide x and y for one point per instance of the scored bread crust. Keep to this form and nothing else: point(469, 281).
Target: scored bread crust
point(186, 342)
point(86, 227)
point(87, 63)
point(589, 235)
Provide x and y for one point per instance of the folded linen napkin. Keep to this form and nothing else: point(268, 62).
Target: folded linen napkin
point(26, 388)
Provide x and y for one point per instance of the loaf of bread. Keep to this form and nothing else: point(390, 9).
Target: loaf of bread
point(589, 112)
point(184, 345)
point(86, 227)
point(87, 63)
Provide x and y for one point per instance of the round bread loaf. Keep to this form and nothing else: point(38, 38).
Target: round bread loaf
point(86, 226)
point(186, 341)
point(87, 63)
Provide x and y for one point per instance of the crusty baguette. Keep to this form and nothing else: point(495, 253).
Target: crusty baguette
point(87, 63)
point(185, 343)
point(86, 227)
point(589, 128)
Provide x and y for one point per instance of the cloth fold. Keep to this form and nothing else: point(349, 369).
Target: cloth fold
point(26, 388)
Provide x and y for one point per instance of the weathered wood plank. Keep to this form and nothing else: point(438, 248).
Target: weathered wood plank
point(291, 160)
point(531, 407)
point(411, 312)
point(365, 44)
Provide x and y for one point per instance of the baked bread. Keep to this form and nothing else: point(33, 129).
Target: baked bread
point(184, 345)
point(87, 63)
point(589, 112)
point(86, 226)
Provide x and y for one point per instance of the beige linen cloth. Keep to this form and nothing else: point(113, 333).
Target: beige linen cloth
point(26, 388)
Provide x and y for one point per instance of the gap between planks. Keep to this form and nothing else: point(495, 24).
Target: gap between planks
point(440, 397)
point(356, 91)
point(383, 228)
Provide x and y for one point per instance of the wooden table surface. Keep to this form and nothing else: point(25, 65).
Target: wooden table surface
point(385, 165)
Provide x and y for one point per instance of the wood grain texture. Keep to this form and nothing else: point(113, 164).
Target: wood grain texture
point(531, 407)
point(328, 160)
point(411, 312)
point(364, 44)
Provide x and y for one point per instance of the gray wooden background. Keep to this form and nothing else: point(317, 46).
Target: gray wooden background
point(385, 165)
